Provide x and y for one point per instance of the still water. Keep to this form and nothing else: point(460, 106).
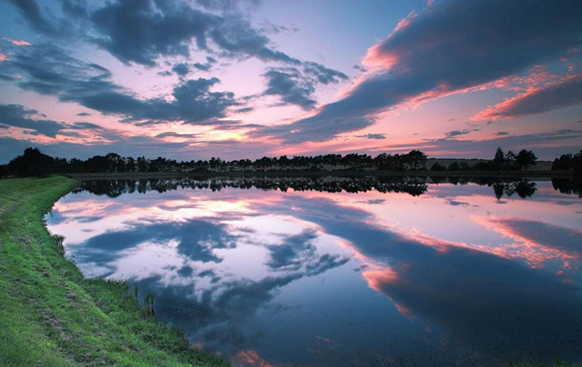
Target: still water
point(343, 272)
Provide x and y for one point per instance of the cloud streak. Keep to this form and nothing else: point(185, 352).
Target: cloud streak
point(537, 100)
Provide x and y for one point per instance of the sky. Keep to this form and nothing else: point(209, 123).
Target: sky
point(194, 79)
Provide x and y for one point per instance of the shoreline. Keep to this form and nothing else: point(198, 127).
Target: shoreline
point(213, 174)
point(51, 315)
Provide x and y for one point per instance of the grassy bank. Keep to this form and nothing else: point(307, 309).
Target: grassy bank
point(50, 315)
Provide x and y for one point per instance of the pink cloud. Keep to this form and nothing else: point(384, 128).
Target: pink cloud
point(536, 100)
point(16, 42)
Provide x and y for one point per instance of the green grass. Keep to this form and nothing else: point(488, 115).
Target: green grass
point(50, 315)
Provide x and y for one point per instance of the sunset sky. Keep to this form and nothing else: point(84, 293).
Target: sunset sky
point(192, 79)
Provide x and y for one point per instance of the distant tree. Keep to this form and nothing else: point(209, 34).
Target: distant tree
point(577, 164)
point(499, 159)
point(465, 166)
point(525, 159)
point(97, 163)
point(437, 167)
point(217, 162)
point(416, 159)
point(4, 170)
point(32, 163)
point(454, 167)
point(142, 164)
point(569, 162)
point(486, 166)
point(115, 163)
point(130, 166)
point(510, 161)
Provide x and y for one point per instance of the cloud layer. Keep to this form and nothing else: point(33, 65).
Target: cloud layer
point(452, 46)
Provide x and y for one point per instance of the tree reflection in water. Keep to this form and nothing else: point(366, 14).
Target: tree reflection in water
point(414, 186)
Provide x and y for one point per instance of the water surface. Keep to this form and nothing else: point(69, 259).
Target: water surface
point(343, 272)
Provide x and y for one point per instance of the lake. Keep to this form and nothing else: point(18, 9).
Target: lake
point(342, 271)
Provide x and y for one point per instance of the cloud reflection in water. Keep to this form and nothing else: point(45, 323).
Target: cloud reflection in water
point(294, 278)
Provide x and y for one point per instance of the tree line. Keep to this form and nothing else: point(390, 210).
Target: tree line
point(569, 162)
point(501, 162)
point(34, 163)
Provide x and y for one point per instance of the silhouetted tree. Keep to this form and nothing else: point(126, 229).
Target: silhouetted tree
point(130, 164)
point(142, 164)
point(437, 167)
point(569, 162)
point(510, 161)
point(499, 159)
point(454, 167)
point(4, 170)
point(525, 159)
point(32, 163)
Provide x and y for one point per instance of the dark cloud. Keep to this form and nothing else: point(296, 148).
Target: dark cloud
point(452, 134)
point(556, 96)
point(296, 87)
point(290, 85)
point(322, 74)
point(359, 68)
point(246, 110)
point(237, 38)
point(75, 9)
point(84, 114)
point(18, 116)
point(203, 67)
point(139, 31)
point(269, 27)
point(31, 12)
point(84, 126)
point(227, 5)
point(501, 133)
point(451, 46)
point(172, 134)
point(372, 136)
point(181, 69)
point(185, 271)
point(456, 203)
point(48, 70)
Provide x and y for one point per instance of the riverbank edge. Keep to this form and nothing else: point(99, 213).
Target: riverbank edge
point(168, 175)
point(51, 315)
